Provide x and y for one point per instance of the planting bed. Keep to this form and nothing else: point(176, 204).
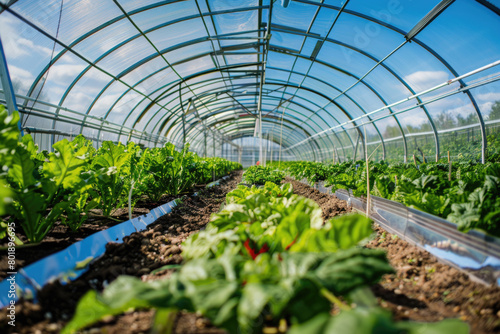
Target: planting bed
point(422, 289)
point(140, 254)
point(330, 205)
point(61, 236)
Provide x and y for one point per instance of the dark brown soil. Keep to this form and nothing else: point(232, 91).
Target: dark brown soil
point(140, 254)
point(61, 236)
point(423, 289)
point(331, 205)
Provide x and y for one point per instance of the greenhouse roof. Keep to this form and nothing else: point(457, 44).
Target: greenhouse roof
point(326, 77)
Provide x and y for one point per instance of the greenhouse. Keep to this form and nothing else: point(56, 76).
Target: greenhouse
point(252, 166)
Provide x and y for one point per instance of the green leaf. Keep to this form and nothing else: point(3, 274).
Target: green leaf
point(374, 320)
point(339, 233)
point(253, 300)
point(65, 165)
point(465, 215)
point(22, 169)
point(447, 326)
point(349, 230)
point(9, 135)
point(93, 307)
point(6, 198)
point(384, 186)
point(346, 270)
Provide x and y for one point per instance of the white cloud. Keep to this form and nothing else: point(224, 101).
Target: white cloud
point(78, 101)
point(65, 72)
point(422, 80)
point(449, 103)
point(14, 44)
point(103, 104)
point(21, 79)
point(464, 110)
point(491, 96)
point(29, 45)
point(485, 107)
point(414, 120)
point(19, 73)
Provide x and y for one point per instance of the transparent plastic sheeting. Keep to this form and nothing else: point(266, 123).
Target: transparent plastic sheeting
point(473, 252)
point(414, 73)
point(71, 262)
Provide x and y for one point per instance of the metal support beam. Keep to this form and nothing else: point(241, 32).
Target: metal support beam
point(184, 111)
point(8, 90)
point(427, 19)
point(205, 144)
point(263, 79)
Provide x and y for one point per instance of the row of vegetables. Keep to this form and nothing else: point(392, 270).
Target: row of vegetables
point(38, 189)
point(463, 193)
point(267, 263)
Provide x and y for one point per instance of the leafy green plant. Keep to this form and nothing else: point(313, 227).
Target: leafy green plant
point(110, 167)
point(234, 292)
point(171, 172)
point(469, 199)
point(261, 175)
point(78, 204)
point(40, 195)
point(271, 219)
point(9, 136)
point(37, 189)
point(362, 320)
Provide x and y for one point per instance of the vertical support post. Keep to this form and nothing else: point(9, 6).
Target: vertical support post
point(259, 108)
point(281, 137)
point(8, 90)
point(449, 166)
point(356, 148)
point(265, 155)
point(184, 123)
point(263, 163)
point(213, 170)
point(205, 142)
point(183, 130)
point(130, 135)
point(368, 195)
point(99, 143)
point(253, 151)
point(271, 143)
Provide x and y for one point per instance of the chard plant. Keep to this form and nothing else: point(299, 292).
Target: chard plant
point(110, 167)
point(469, 199)
point(38, 189)
point(261, 175)
point(236, 293)
point(41, 189)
